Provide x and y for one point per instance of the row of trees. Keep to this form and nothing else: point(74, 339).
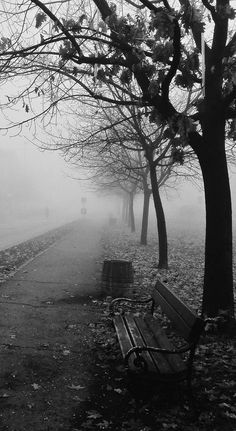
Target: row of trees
point(150, 52)
point(121, 149)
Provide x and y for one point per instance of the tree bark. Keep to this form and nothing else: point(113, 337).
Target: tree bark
point(161, 223)
point(218, 277)
point(144, 229)
point(131, 212)
point(125, 209)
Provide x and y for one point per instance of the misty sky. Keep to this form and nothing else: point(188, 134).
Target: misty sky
point(33, 180)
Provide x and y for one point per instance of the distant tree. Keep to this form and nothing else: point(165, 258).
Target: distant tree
point(155, 162)
point(112, 168)
point(151, 51)
point(147, 156)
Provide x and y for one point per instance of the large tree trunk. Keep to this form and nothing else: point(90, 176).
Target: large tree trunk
point(218, 278)
point(161, 223)
point(144, 230)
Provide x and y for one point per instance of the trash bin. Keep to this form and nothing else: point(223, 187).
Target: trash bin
point(117, 276)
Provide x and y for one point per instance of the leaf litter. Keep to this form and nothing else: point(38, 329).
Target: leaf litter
point(116, 405)
point(165, 408)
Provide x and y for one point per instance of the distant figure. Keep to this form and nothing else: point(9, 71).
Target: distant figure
point(83, 211)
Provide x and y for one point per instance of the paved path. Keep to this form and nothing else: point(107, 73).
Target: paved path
point(46, 340)
point(14, 232)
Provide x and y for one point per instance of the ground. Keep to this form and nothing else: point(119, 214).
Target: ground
point(61, 367)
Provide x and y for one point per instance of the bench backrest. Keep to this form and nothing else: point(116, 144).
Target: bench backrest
point(185, 320)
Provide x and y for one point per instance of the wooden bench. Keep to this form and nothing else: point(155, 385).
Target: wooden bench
point(145, 345)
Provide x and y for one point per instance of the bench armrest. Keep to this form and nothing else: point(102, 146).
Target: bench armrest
point(139, 349)
point(130, 301)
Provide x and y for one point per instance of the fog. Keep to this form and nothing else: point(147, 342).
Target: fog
point(38, 193)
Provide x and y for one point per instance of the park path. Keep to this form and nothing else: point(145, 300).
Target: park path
point(47, 315)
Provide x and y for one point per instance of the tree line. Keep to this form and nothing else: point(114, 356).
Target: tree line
point(171, 63)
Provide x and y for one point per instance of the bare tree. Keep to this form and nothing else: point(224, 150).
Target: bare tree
point(112, 168)
point(152, 52)
point(147, 154)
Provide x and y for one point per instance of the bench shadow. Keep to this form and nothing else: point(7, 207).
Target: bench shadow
point(120, 401)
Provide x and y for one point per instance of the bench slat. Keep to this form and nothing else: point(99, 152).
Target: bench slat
point(161, 361)
point(179, 305)
point(176, 311)
point(122, 334)
point(128, 338)
point(176, 363)
point(138, 341)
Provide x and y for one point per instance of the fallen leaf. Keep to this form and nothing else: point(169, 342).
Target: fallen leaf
point(35, 386)
point(76, 398)
point(76, 387)
point(5, 395)
point(93, 414)
point(103, 425)
point(118, 391)
point(230, 415)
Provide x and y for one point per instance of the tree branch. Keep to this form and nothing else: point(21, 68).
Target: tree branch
point(186, 5)
point(220, 35)
point(175, 62)
point(195, 142)
point(230, 113)
point(230, 49)
point(230, 97)
point(103, 8)
point(211, 9)
point(57, 22)
point(151, 6)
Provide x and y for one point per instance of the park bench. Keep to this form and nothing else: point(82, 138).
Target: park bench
point(145, 345)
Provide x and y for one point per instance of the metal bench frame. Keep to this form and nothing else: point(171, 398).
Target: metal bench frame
point(137, 353)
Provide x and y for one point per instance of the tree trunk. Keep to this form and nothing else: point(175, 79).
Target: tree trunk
point(125, 209)
point(218, 278)
point(161, 223)
point(131, 212)
point(144, 230)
